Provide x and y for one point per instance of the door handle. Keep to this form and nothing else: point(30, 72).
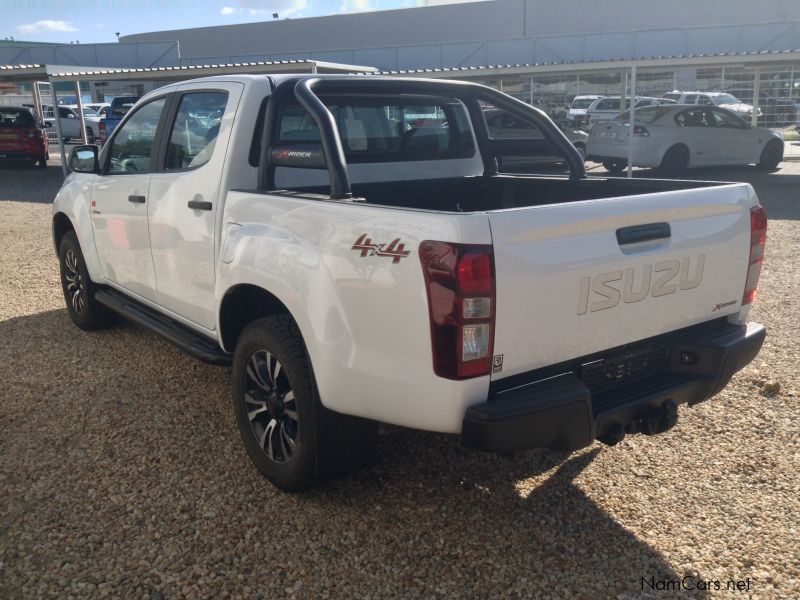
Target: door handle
point(136, 199)
point(643, 233)
point(199, 205)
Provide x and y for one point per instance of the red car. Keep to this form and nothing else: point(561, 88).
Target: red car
point(22, 137)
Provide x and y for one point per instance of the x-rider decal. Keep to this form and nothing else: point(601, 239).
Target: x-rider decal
point(395, 248)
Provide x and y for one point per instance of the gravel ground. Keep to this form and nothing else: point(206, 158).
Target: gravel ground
point(122, 474)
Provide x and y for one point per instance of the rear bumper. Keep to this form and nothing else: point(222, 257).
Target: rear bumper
point(560, 412)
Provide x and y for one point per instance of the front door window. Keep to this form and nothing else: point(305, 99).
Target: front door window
point(132, 147)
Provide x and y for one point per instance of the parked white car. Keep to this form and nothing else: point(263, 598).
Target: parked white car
point(101, 108)
point(576, 115)
point(609, 107)
point(676, 137)
point(70, 123)
point(721, 99)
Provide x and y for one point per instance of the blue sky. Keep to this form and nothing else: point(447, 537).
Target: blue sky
point(93, 21)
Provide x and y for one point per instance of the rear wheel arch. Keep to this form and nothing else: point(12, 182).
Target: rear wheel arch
point(679, 145)
point(241, 305)
point(669, 161)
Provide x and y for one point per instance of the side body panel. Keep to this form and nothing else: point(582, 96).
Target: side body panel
point(364, 317)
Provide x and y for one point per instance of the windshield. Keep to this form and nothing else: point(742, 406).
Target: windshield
point(725, 99)
point(90, 112)
point(582, 102)
point(16, 118)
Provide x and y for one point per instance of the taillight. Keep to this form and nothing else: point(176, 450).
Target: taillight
point(642, 131)
point(460, 282)
point(758, 239)
point(102, 131)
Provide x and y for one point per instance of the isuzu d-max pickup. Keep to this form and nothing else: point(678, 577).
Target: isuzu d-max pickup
point(349, 246)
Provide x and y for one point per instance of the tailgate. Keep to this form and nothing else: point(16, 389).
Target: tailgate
point(568, 287)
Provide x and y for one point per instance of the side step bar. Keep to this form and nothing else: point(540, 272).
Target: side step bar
point(184, 338)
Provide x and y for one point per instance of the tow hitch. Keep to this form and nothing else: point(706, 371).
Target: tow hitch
point(656, 421)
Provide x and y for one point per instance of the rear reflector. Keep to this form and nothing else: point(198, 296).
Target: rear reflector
point(459, 279)
point(758, 239)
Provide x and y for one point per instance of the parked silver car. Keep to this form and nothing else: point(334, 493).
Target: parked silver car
point(611, 106)
point(721, 99)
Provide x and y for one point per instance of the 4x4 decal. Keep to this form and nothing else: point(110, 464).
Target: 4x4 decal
point(396, 249)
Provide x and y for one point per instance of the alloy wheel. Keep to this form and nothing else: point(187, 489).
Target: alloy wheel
point(76, 285)
point(271, 406)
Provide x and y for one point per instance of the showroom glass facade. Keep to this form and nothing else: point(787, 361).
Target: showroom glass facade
point(779, 87)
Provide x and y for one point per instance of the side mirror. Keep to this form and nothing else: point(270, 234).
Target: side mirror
point(48, 124)
point(83, 159)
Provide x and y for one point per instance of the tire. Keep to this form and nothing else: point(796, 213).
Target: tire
point(290, 437)
point(771, 155)
point(675, 161)
point(89, 136)
point(616, 167)
point(79, 289)
point(66, 140)
point(42, 162)
point(581, 150)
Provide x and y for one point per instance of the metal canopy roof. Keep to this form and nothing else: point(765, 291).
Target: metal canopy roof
point(724, 58)
point(74, 73)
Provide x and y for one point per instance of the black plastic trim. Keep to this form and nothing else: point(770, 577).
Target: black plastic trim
point(643, 233)
point(558, 411)
point(184, 338)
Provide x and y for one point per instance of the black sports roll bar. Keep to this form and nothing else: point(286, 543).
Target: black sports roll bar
point(330, 153)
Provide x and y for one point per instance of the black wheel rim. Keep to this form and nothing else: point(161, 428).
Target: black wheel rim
point(271, 406)
point(75, 283)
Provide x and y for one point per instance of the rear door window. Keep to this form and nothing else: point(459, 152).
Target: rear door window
point(695, 117)
point(195, 130)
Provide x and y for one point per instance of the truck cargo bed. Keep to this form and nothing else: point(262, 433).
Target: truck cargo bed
point(470, 194)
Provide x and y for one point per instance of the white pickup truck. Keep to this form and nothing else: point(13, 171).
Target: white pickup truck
point(349, 246)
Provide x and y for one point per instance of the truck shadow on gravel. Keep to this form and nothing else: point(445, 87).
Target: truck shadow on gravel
point(524, 515)
point(146, 452)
